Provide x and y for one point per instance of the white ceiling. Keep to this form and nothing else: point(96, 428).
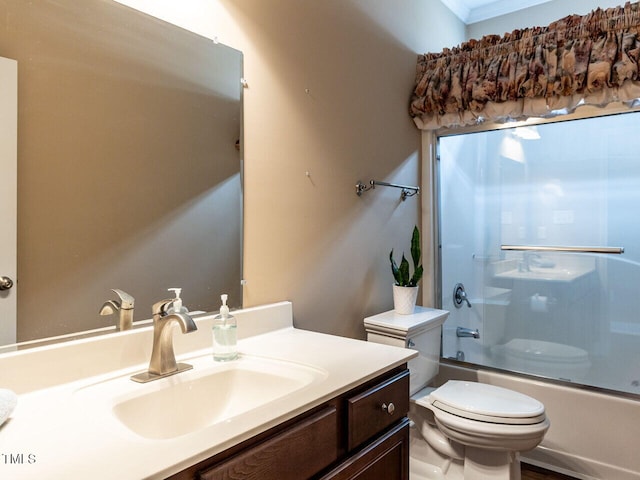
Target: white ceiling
point(471, 11)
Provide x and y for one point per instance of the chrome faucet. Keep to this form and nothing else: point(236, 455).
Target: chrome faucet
point(467, 332)
point(124, 306)
point(163, 359)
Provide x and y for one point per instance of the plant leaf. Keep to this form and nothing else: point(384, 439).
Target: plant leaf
point(415, 247)
point(417, 275)
point(404, 272)
point(394, 269)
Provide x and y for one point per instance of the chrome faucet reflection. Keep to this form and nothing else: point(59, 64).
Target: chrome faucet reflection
point(124, 306)
point(163, 359)
point(529, 259)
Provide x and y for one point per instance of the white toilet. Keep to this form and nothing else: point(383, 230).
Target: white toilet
point(549, 359)
point(461, 430)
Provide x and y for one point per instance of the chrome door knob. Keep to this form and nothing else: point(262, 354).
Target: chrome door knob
point(5, 283)
point(390, 408)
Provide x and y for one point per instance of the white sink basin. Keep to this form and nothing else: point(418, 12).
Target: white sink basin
point(207, 395)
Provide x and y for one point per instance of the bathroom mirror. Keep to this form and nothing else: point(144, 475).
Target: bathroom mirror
point(129, 164)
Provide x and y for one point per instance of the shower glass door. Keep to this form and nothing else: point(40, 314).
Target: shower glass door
point(511, 202)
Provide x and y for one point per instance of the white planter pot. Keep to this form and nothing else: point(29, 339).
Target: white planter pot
point(404, 299)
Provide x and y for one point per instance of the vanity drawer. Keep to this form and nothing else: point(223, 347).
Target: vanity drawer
point(296, 453)
point(378, 407)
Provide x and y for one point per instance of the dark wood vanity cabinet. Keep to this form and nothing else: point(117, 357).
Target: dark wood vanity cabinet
point(377, 432)
point(386, 458)
point(360, 435)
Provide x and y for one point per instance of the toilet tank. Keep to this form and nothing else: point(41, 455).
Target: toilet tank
point(421, 331)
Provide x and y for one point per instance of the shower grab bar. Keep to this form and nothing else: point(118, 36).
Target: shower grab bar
point(537, 248)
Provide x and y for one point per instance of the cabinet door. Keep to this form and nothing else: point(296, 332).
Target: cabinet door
point(385, 459)
point(294, 454)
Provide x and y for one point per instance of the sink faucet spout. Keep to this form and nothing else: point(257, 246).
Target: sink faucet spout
point(163, 358)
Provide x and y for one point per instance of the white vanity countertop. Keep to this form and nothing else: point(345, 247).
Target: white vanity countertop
point(51, 434)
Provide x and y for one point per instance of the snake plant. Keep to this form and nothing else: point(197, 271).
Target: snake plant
point(401, 274)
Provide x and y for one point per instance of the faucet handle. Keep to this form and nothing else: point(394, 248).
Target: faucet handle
point(162, 307)
point(126, 300)
point(460, 295)
point(124, 306)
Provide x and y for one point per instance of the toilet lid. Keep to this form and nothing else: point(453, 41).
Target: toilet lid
point(487, 403)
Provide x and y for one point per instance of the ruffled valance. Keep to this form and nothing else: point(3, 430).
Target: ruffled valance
point(592, 59)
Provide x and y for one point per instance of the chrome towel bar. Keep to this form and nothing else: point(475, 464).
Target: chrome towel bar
point(539, 248)
point(407, 190)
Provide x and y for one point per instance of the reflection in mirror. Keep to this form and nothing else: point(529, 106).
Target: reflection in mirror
point(129, 163)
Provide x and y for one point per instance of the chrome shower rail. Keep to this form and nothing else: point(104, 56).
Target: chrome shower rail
point(539, 248)
point(407, 190)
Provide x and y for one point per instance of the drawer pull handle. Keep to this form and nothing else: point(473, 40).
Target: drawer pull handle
point(389, 408)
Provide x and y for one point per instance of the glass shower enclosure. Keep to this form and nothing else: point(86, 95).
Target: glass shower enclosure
point(540, 249)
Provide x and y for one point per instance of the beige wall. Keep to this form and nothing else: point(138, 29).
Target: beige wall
point(328, 89)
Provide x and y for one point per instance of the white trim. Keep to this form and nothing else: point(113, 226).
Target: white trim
point(8, 196)
point(429, 225)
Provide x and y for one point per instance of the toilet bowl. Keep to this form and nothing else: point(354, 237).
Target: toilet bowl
point(461, 430)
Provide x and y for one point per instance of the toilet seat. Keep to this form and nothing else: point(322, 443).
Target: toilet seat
point(485, 403)
point(492, 436)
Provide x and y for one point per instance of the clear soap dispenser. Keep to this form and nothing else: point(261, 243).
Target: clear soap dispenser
point(225, 345)
point(176, 306)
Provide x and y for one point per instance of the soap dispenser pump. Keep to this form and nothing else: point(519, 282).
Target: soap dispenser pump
point(224, 334)
point(176, 305)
